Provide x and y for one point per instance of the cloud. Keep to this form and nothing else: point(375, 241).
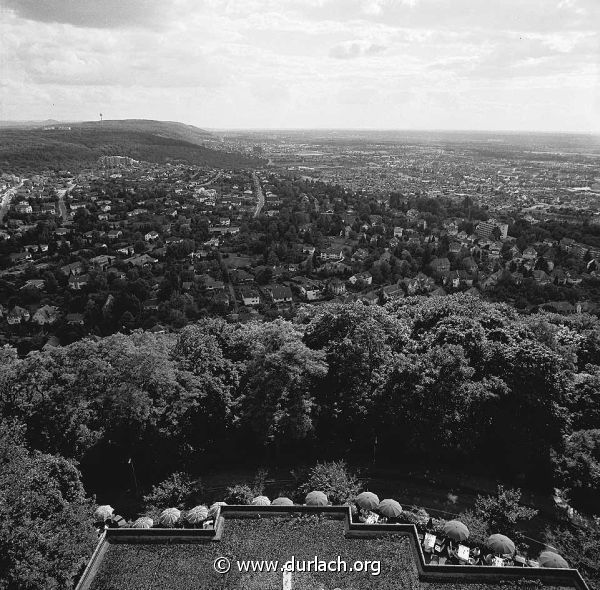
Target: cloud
point(222, 63)
point(92, 13)
point(355, 49)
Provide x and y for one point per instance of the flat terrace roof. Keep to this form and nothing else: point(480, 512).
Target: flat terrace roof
point(182, 559)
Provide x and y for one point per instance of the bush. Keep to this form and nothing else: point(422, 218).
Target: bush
point(419, 518)
point(478, 529)
point(239, 494)
point(502, 512)
point(245, 493)
point(334, 479)
point(177, 491)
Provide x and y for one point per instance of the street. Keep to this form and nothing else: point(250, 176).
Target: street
point(259, 194)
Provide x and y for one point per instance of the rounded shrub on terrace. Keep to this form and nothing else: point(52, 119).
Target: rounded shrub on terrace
point(169, 518)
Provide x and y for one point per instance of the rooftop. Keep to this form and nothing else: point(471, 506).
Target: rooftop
point(136, 559)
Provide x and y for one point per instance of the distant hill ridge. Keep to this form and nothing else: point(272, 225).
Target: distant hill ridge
point(76, 145)
point(170, 129)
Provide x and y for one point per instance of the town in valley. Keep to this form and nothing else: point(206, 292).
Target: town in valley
point(120, 243)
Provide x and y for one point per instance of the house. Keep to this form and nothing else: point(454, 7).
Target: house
point(360, 255)
point(101, 262)
point(574, 279)
point(75, 268)
point(309, 289)
point(35, 284)
point(47, 314)
point(455, 277)
point(361, 278)
point(332, 254)
point(17, 315)
point(23, 207)
point(249, 296)
point(419, 284)
point(239, 276)
point(517, 278)
point(530, 253)
point(336, 287)
point(126, 250)
point(61, 231)
point(470, 265)
point(558, 276)
point(279, 293)
point(151, 304)
point(515, 253)
point(75, 319)
point(115, 234)
point(398, 231)
point(78, 281)
point(391, 292)
point(119, 274)
point(539, 276)
point(19, 257)
point(440, 265)
point(493, 279)
point(151, 236)
point(221, 299)
point(211, 284)
point(141, 260)
point(495, 249)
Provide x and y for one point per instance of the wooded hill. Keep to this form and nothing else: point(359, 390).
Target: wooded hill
point(74, 146)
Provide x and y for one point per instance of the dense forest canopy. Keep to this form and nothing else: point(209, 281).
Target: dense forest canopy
point(450, 378)
point(25, 151)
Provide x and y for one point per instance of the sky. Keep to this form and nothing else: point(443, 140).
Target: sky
point(382, 64)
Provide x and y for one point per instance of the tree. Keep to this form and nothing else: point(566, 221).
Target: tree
point(276, 398)
point(179, 490)
point(578, 468)
point(46, 531)
point(503, 512)
point(334, 479)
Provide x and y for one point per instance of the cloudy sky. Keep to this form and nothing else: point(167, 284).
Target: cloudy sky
point(401, 64)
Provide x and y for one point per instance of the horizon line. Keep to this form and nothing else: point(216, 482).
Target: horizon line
point(297, 128)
